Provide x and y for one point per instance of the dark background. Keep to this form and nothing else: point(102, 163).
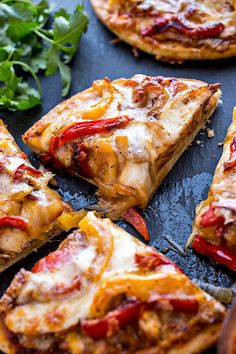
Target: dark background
point(171, 210)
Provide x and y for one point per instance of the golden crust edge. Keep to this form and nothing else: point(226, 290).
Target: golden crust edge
point(202, 341)
point(174, 53)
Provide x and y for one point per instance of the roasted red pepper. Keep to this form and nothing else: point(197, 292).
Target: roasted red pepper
point(53, 144)
point(161, 24)
point(81, 129)
point(185, 304)
point(209, 219)
point(219, 254)
point(151, 261)
point(112, 322)
point(232, 162)
point(13, 221)
point(138, 222)
point(51, 261)
point(80, 160)
point(19, 172)
point(131, 312)
point(51, 161)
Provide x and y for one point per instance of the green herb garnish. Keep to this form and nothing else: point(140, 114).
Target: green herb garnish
point(27, 44)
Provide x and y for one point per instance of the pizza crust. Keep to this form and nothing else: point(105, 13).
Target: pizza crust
point(171, 52)
point(201, 342)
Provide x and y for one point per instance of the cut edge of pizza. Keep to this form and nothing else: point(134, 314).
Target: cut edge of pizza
point(124, 136)
point(170, 36)
point(104, 289)
point(28, 207)
point(214, 227)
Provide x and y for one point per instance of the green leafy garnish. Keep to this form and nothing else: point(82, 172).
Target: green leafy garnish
point(28, 44)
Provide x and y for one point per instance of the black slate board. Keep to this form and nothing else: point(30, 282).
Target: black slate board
point(171, 210)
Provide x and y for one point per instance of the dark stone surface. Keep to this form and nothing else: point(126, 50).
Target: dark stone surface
point(171, 210)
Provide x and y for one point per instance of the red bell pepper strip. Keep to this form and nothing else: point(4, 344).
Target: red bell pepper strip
point(185, 304)
point(232, 162)
point(209, 219)
point(151, 261)
point(131, 312)
point(13, 221)
point(51, 261)
point(81, 129)
point(161, 24)
point(112, 322)
point(138, 222)
point(19, 172)
point(53, 144)
point(219, 254)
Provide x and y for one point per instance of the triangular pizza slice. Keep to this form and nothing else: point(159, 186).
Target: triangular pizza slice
point(103, 291)
point(173, 30)
point(28, 207)
point(214, 227)
point(124, 136)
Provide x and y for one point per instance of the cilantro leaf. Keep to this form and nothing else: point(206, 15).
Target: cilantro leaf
point(27, 45)
point(66, 33)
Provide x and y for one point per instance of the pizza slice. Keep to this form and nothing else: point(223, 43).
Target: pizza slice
point(103, 291)
point(214, 227)
point(28, 207)
point(124, 136)
point(173, 30)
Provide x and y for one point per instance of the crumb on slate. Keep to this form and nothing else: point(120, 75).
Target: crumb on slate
point(210, 133)
point(165, 250)
point(116, 40)
point(221, 143)
point(135, 52)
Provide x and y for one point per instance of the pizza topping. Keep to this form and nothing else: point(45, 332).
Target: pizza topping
point(51, 261)
point(232, 162)
point(209, 219)
point(227, 204)
point(219, 254)
point(131, 312)
point(150, 261)
point(80, 159)
point(161, 24)
point(13, 221)
point(113, 321)
point(134, 218)
point(86, 128)
point(19, 172)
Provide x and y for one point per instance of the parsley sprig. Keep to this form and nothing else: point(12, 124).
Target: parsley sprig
point(28, 45)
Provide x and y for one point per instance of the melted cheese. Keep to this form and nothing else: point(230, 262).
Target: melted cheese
point(161, 110)
point(63, 312)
